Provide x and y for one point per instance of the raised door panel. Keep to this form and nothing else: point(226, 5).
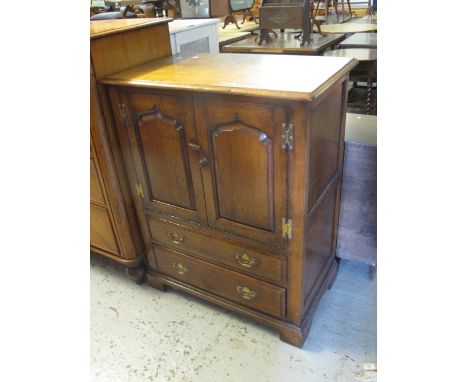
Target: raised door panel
point(161, 132)
point(245, 181)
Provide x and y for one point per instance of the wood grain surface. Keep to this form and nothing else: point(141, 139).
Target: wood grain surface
point(107, 27)
point(248, 74)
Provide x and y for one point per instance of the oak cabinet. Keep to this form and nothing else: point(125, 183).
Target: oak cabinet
point(236, 178)
point(116, 45)
point(223, 177)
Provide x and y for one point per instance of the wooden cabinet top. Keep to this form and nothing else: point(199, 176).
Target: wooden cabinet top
point(106, 27)
point(274, 76)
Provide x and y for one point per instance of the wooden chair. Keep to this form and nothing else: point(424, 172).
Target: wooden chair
point(327, 5)
point(334, 4)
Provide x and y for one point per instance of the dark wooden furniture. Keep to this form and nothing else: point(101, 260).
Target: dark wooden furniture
point(360, 40)
point(357, 231)
point(236, 178)
point(334, 4)
point(156, 6)
point(286, 43)
point(243, 6)
point(285, 14)
point(117, 45)
point(232, 34)
point(365, 71)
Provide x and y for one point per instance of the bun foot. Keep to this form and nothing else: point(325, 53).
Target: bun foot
point(292, 336)
point(136, 274)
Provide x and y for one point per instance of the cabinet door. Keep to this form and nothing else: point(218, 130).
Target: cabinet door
point(245, 174)
point(160, 129)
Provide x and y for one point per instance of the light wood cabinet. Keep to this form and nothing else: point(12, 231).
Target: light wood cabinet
point(117, 45)
point(237, 178)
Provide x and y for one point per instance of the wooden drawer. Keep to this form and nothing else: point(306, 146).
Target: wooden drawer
point(228, 284)
point(211, 248)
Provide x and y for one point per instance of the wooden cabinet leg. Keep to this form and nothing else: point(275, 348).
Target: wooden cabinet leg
point(136, 274)
point(292, 337)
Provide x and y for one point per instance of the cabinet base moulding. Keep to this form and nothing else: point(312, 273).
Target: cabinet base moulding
point(289, 332)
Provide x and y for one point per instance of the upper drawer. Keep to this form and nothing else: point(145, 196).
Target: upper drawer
point(211, 248)
point(231, 285)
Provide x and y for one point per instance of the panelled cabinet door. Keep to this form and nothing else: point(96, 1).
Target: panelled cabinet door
point(245, 174)
point(160, 131)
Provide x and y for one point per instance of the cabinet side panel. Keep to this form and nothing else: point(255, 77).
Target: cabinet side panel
point(324, 179)
point(96, 193)
point(324, 145)
point(102, 233)
point(319, 246)
point(120, 51)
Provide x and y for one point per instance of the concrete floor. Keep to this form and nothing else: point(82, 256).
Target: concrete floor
point(141, 334)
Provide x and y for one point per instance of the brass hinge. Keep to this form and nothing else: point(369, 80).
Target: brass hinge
point(123, 113)
point(139, 189)
point(287, 135)
point(287, 228)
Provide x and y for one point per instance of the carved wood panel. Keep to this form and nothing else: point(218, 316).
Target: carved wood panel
point(161, 129)
point(245, 180)
point(243, 170)
point(164, 155)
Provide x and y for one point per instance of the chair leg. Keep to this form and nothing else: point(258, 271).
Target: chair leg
point(230, 19)
point(315, 8)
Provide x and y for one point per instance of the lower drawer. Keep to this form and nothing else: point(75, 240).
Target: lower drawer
point(225, 283)
point(213, 249)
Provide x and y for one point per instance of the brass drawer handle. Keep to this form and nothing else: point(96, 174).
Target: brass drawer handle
point(245, 260)
point(176, 238)
point(246, 293)
point(180, 268)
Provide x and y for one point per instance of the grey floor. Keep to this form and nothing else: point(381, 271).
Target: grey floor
point(141, 334)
